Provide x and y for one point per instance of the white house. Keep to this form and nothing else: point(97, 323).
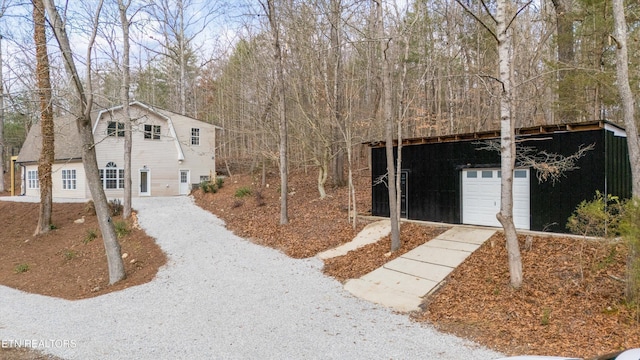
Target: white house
point(169, 153)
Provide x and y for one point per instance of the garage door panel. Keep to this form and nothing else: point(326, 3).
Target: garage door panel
point(481, 197)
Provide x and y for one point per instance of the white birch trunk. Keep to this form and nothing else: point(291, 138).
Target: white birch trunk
point(508, 145)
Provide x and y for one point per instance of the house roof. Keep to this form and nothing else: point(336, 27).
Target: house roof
point(67, 144)
point(492, 134)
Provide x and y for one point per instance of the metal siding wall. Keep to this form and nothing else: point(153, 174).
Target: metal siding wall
point(618, 173)
point(434, 178)
point(552, 204)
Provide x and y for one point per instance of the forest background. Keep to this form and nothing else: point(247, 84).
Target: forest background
point(213, 60)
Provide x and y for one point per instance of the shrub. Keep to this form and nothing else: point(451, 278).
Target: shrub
point(242, 192)
point(599, 217)
point(68, 254)
point(122, 228)
point(20, 268)
point(208, 187)
point(90, 236)
point(115, 206)
point(219, 182)
point(90, 208)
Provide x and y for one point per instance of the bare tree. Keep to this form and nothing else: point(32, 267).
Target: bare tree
point(627, 97)
point(2, 145)
point(124, 95)
point(504, 21)
point(633, 143)
point(337, 91)
point(277, 54)
point(387, 106)
point(504, 15)
point(46, 119)
point(83, 122)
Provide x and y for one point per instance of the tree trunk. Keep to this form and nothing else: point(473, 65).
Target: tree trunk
point(565, 43)
point(389, 129)
point(633, 143)
point(338, 94)
point(124, 95)
point(282, 124)
point(46, 119)
point(2, 150)
point(508, 145)
point(83, 122)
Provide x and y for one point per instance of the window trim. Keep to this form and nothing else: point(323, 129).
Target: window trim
point(33, 181)
point(195, 136)
point(112, 168)
point(152, 132)
point(69, 179)
point(111, 128)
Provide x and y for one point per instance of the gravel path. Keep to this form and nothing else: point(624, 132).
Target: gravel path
point(221, 296)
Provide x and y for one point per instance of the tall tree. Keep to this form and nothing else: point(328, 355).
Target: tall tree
point(565, 43)
point(46, 119)
point(337, 91)
point(2, 137)
point(626, 95)
point(124, 96)
point(633, 142)
point(502, 32)
point(387, 112)
point(180, 22)
point(282, 121)
point(83, 122)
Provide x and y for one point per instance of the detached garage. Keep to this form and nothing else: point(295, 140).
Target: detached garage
point(452, 179)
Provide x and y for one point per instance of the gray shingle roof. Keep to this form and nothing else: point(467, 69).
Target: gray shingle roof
point(67, 141)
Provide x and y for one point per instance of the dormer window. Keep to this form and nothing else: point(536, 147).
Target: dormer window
point(152, 132)
point(115, 128)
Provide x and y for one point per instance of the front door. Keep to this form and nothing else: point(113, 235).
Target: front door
point(184, 182)
point(145, 182)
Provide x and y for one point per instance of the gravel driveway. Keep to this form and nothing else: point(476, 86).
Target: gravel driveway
point(220, 296)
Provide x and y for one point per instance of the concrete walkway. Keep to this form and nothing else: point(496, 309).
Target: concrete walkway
point(402, 283)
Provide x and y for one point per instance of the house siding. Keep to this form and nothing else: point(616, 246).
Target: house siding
point(434, 169)
point(160, 157)
point(80, 192)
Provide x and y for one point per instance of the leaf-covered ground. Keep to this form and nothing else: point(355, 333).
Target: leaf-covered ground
point(571, 303)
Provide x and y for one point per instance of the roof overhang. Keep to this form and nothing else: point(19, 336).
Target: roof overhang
point(493, 134)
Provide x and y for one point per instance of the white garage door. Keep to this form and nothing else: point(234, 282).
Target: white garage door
point(481, 197)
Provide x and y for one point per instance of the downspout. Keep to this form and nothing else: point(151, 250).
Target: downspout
point(23, 175)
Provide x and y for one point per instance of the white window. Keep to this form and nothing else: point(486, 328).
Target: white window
point(32, 179)
point(112, 177)
point(205, 178)
point(69, 179)
point(195, 136)
point(152, 132)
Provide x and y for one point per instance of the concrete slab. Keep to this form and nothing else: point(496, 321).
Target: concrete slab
point(406, 283)
point(368, 235)
point(383, 295)
point(402, 283)
point(452, 245)
point(467, 234)
point(446, 257)
point(433, 272)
